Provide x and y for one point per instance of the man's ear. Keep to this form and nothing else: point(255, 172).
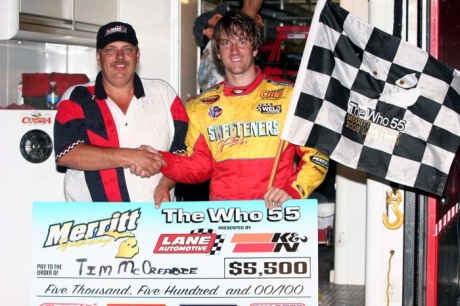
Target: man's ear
point(208, 33)
point(98, 58)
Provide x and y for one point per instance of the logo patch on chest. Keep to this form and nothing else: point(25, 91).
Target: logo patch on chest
point(272, 94)
point(210, 99)
point(215, 111)
point(269, 108)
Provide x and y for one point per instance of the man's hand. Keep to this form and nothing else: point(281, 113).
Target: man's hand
point(251, 7)
point(275, 197)
point(146, 162)
point(161, 193)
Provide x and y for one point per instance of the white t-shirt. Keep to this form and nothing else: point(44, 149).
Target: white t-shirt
point(147, 121)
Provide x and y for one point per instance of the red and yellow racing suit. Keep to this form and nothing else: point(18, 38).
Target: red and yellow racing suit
point(233, 138)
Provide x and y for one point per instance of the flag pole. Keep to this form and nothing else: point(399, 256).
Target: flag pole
point(276, 163)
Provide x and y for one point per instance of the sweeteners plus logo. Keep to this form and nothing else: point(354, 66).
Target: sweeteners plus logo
point(267, 242)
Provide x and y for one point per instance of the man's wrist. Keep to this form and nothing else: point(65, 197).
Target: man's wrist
point(292, 192)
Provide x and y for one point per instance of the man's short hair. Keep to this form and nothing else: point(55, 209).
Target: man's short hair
point(238, 24)
point(115, 31)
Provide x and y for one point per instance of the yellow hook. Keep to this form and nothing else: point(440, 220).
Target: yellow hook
point(394, 198)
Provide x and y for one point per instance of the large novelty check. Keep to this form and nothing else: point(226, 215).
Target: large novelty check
point(185, 253)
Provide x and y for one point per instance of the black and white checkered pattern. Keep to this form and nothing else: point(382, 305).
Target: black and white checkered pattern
point(375, 103)
point(202, 231)
point(218, 242)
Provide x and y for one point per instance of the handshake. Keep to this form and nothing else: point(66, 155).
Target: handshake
point(146, 161)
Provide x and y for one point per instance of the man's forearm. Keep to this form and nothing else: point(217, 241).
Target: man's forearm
point(92, 158)
point(185, 169)
point(143, 161)
point(167, 182)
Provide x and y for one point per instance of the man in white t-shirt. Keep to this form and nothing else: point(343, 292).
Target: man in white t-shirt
point(106, 128)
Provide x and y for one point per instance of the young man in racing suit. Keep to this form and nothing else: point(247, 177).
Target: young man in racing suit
point(235, 127)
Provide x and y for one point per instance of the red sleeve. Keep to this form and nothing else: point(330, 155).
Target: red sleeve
point(178, 110)
point(190, 169)
point(181, 120)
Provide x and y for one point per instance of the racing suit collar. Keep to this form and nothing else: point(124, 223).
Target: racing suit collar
point(230, 90)
point(100, 90)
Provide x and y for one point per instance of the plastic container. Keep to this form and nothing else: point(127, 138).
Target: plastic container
point(52, 97)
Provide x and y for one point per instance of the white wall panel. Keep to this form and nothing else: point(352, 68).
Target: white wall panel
point(93, 15)
point(350, 227)
point(82, 60)
point(359, 8)
point(384, 248)
point(156, 26)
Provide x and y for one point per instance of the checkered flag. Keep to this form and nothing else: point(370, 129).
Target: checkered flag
point(218, 242)
point(375, 103)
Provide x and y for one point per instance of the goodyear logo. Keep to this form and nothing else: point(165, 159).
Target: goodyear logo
point(267, 242)
point(299, 188)
point(210, 99)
